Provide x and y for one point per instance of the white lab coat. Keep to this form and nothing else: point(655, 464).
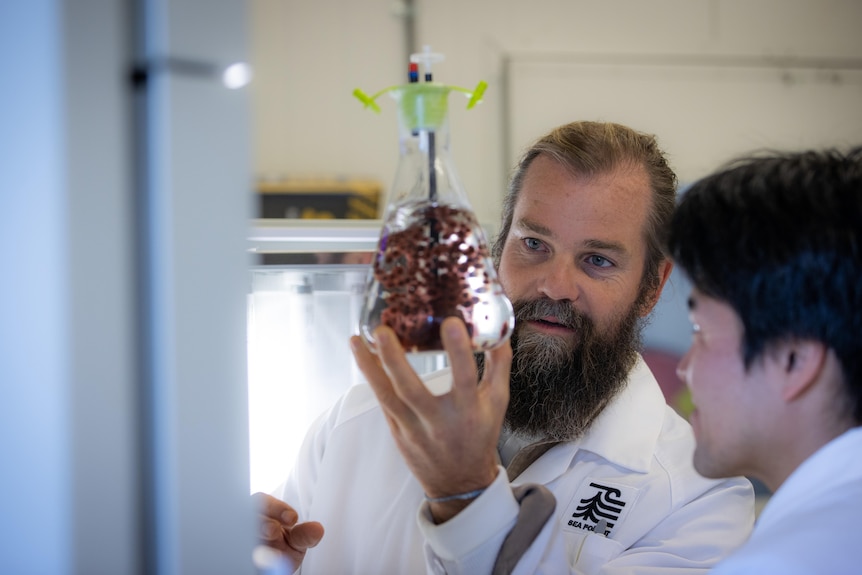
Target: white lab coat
point(637, 456)
point(811, 523)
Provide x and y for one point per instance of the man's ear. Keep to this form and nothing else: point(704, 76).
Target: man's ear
point(664, 269)
point(802, 362)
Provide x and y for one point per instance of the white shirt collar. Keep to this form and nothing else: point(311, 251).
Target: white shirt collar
point(627, 430)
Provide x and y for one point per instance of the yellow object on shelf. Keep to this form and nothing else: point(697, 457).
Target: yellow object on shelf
point(320, 199)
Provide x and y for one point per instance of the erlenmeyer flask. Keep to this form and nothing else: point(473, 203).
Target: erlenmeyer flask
point(432, 259)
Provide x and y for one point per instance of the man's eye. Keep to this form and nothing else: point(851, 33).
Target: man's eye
point(600, 261)
point(532, 243)
point(695, 328)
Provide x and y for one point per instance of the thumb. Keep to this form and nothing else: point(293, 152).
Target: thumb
point(304, 535)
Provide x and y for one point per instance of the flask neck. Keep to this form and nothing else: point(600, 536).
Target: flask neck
point(425, 169)
point(425, 142)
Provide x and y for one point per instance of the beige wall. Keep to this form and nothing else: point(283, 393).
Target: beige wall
point(700, 74)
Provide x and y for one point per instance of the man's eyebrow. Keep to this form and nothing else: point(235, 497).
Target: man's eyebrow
point(692, 303)
point(534, 227)
point(606, 246)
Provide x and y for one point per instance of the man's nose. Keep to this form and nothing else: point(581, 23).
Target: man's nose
point(561, 280)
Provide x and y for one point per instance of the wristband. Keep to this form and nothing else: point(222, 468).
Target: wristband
point(457, 496)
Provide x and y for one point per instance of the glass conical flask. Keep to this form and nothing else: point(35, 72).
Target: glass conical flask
point(432, 259)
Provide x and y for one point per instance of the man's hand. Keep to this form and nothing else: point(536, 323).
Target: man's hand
point(279, 528)
point(448, 441)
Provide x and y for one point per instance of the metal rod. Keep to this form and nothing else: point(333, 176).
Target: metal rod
point(432, 173)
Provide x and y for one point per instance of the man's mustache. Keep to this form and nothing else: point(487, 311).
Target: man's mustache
point(563, 311)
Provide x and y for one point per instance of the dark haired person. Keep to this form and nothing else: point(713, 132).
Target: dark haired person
point(773, 247)
point(592, 472)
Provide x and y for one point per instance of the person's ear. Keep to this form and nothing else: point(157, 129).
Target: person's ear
point(664, 269)
point(803, 362)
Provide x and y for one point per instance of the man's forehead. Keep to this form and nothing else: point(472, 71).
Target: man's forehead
point(588, 219)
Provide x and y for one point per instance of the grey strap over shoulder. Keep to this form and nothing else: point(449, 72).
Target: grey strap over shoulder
point(537, 504)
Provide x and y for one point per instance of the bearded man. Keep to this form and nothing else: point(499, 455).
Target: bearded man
point(564, 457)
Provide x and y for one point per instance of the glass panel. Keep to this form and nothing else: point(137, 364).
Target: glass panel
point(300, 319)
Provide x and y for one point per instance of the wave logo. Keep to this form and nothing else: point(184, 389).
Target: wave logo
point(605, 503)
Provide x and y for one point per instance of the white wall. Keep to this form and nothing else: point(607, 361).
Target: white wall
point(623, 60)
point(308, 57)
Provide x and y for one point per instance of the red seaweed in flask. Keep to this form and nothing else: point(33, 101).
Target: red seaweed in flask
point(432, 259)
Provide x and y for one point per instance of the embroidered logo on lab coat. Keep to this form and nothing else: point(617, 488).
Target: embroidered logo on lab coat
point(598, 503)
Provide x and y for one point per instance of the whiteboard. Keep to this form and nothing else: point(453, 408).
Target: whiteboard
point(703, 115)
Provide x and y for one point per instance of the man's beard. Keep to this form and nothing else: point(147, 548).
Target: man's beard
point(559, 386)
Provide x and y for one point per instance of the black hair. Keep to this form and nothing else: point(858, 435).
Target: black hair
point(778, 237)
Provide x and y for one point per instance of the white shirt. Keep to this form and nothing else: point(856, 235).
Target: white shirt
point(635, 462)
point(811, 523)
